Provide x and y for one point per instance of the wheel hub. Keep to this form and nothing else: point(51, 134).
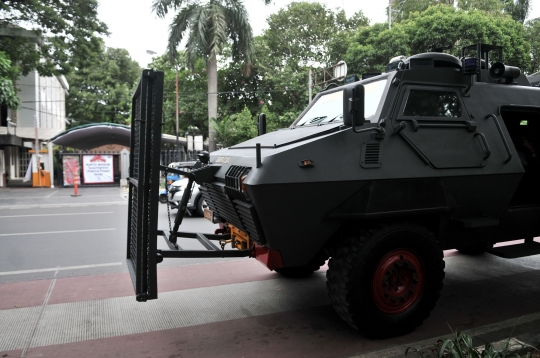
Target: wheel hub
point(398, 281)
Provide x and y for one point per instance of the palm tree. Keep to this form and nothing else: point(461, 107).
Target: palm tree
point(210, 25)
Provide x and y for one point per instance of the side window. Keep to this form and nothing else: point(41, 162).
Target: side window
point(373, 94)
point(432, 103)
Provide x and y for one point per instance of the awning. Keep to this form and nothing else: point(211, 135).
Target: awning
point(90, 136)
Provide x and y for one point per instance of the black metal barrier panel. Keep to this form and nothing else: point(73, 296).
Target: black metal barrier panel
point(143, 180)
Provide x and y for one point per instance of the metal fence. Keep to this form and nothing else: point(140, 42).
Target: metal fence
point(181, 155)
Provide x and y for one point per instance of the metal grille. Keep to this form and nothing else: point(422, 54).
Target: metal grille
point(237, 212)
point(233, 182)
point(249, 219)
point(144, 184)
point(136, 139)
point(370, 155)
point(133, 233)
point(220, 204)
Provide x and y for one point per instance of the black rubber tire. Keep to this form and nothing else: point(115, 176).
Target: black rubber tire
point(200, 206)
point(351, 273)
point(306, 270)
point(163, 198)
point(475, 250)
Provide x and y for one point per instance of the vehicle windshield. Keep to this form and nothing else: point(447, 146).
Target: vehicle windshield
point(329, 107)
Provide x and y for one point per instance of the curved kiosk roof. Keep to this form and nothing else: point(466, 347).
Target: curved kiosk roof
point(90, 136)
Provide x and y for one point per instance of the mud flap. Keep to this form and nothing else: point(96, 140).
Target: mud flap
point(143, 182)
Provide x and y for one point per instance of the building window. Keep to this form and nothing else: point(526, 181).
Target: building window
point(24, 159)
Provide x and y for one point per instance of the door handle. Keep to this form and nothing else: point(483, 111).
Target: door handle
point(502, 136)
point(485, 145)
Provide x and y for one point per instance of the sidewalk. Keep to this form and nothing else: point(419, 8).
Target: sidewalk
point(240, 309)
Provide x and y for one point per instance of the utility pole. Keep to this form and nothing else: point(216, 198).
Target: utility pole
point(310, 86)
point(177, 144)
point(36, 146)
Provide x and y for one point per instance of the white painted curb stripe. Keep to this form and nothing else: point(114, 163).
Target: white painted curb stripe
point(90, 213)
point(59, 269)
point(55, 232)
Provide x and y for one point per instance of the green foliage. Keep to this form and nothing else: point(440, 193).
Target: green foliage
point(518, 9)
point(303, 33)
point(275, 121)
point(443, 25)
point(67, 31)
point(192, 97)
point(236, 128)
point(489, 6)
point(8, 94)
point(209, 27)
point(532, 36)
point(408, 7)
point(102, 91)
point(462, 347)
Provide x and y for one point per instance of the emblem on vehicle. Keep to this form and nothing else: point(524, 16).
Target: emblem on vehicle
point(223, 160)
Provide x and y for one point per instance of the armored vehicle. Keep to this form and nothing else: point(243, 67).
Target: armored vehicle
point(380, 176)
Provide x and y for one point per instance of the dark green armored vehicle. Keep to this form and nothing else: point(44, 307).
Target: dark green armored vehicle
point(379, 175)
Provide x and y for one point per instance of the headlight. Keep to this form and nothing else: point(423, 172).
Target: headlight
point(242, 186)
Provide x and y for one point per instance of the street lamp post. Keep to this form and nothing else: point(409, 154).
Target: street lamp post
point(177, 142)
point(390, 11)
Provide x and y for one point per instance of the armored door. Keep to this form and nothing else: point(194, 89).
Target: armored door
point(436, 125)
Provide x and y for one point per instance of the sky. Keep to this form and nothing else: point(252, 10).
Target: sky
point(135, 28)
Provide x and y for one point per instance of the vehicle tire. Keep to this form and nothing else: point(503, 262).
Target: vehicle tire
point(386, 281)
point(201, 204)
point(476, 249)
point(163, 198)
point(306, 270)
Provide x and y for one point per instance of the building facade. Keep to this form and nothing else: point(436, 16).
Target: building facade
point(41, 116)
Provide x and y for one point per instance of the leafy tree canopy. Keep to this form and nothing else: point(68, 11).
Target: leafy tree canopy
point(237, 128)
point(532, 35)
point(209, 26)
point(517, 9)
point(192, 96)
point(374, 46)
point(302, 34)
point(8, 95)
point(67, 31)
point(402, 10)
point(102, 91)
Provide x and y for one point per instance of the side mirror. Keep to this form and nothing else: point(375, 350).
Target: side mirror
point(353, 106)
point(261, 124)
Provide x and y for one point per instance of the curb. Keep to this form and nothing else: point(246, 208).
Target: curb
point(525, 329)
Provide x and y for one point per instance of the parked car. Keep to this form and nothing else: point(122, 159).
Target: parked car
point(196, 202)
point(172, 177)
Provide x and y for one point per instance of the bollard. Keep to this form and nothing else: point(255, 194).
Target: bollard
point(75, 185)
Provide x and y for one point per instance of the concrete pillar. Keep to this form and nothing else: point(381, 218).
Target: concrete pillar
point(50, 157)
point(124, 163)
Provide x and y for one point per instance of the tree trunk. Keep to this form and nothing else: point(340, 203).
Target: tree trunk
point(212, 102)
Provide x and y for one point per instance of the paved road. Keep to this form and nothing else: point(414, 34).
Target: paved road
point(49, 233)
point(65, 292)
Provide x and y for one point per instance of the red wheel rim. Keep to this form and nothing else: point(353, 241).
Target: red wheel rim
point(398, 281)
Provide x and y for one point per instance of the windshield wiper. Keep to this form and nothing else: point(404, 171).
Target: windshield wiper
point(314, 120)
point(339, 115)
